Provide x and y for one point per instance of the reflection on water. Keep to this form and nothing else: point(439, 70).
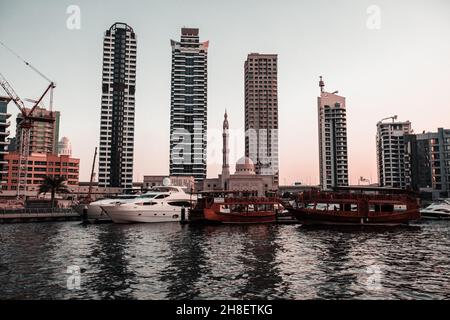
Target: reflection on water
point(187, 264)
point(110, 255)
point(170, 261)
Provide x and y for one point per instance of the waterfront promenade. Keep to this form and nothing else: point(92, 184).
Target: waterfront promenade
point(38, 215)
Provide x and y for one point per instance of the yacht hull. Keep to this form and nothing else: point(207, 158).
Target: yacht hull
point(121, 214)
point(92, 213)
point(434, 215)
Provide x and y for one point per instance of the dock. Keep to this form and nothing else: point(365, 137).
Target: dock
point(38, 215)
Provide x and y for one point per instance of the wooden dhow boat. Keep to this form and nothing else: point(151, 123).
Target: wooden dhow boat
point(355, 206)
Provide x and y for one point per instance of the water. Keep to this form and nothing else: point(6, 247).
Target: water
point(170, 261)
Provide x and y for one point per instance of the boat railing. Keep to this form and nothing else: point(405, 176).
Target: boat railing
point(351, 197)
point(36, 211)
point(251, 200)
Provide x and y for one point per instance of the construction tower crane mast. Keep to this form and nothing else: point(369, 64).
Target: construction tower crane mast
point(27, 120)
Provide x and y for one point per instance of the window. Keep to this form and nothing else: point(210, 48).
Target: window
point(162, 196)
point(179, 203)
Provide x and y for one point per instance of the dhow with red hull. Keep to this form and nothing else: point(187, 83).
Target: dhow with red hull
point(355, 206)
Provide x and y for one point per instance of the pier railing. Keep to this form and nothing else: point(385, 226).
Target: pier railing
point(68, 211)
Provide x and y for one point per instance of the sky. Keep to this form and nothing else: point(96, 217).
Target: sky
point(386, 57)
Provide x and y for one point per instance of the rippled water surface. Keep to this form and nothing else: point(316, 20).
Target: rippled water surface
point(170, 261)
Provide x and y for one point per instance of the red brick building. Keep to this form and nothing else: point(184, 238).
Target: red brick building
point(39, 166)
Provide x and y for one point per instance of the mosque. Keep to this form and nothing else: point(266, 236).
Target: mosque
point(244, 178)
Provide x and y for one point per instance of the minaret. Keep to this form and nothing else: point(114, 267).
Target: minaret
point(225, 152)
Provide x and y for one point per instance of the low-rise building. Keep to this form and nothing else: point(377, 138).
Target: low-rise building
point(39, 166)
point(180, 181)
point(81, 191)
point(244, 179)
point(4, 133)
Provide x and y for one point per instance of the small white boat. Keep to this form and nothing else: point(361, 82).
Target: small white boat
point(93, 213)
point(437, 210)
point(160, 204)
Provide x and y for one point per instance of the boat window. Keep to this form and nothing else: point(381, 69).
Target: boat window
point(179, 203)
point(147, 196)
point(333, 207)
point(239, 208)
point(400, 207)
point(161, 196)
point(148, 203)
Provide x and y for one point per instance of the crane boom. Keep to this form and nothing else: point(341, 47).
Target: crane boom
point(51, 86)
point(12, 94)
point(26, 62)
point(387, 118)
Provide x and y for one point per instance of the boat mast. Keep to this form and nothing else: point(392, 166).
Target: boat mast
point(92, 175)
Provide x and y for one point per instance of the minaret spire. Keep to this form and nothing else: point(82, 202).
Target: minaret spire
point(321, 84)
point(225, 120)
point(225, 153)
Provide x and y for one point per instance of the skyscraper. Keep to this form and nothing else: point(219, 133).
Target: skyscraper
point(261, 113)
point(333, 158)
point(427, 162)
point(44, 132)
point(188, 107)
point(391, 152)
point(117, 107)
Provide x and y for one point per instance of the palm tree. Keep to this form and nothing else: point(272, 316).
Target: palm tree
point(53, 184)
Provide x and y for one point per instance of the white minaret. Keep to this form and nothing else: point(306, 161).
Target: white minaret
point(225, 152)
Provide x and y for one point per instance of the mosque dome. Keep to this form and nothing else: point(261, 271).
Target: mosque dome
point(64, 147)
point(245, 165)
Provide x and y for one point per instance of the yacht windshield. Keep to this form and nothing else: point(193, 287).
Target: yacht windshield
point(148, 196)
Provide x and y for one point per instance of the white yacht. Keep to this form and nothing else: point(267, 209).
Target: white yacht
point(159, 204)
point(437, 210)
point(93, 213)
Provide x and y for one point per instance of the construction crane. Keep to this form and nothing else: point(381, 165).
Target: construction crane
point(393, 119)
point(28, 118)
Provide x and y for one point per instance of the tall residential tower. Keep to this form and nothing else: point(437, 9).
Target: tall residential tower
point(333, 158)
point(188, 106)
point(391, 152)
point(44, 132)
point(427, 162)
point(261, 113)
point(117, 111)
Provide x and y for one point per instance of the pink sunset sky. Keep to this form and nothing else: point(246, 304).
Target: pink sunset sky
point(401, 68)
